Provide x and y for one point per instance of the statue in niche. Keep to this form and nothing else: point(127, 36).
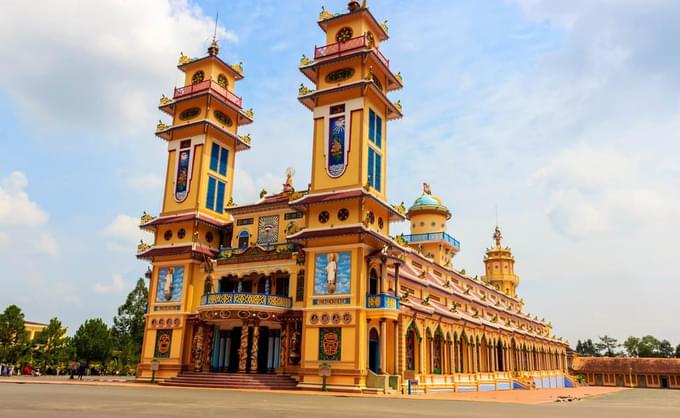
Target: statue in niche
point(331, 269)
point(197, 352)
point(167, 286)
point(208, 285)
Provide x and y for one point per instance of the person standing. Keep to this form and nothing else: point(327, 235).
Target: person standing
point(81, 369)
point(74, 369)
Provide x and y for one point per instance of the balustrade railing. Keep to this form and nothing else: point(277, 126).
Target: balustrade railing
point(350, 45)
point(435, 236)
point(208, 85)
point(382, 301)
point(242, 298)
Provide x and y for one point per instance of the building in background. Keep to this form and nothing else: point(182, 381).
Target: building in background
point(660, 373)
point(309, 281)
point(33, 328)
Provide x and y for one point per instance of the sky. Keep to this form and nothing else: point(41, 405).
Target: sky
point(562, 116)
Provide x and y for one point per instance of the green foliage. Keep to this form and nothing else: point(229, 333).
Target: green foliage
point(587, 348)
point(128, 328)
point(93, 341)
point(14, 344)
point(665, 349)
point(631, 346)
point(677, 351)
point(51, 346)
point(649, 346)
point(607, 346)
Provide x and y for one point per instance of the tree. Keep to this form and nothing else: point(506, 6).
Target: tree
point(607, 345)
point(128, 326)
point(677, 351)
point(665, 349)
point(648, 346)
point(93, 341)
point(51, 345)
point(587, 349)
point(631, 345)
point(14, 344)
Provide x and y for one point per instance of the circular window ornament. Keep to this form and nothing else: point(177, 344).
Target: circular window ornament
point(222, 80)
point(371, 218)
point(189, 113)
point(223, 118)
point(344, 34)
point(381, 223)
point(197, 77)
point(209, 237)
point(343, 214)
point(339, 75)
point(181, 233)
point(167, 235)
point(324, 216)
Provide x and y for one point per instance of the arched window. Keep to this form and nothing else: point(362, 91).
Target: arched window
point(374, 351)
point(373, 282)
point(243, 239)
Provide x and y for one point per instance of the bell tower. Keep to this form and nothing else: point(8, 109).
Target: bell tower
point(500, 267)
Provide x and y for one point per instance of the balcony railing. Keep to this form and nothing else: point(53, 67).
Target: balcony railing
point(339, 48)
point(241, 298)
point(435, 236)
point(279, 247)
point(382, 301)
point(208, 85)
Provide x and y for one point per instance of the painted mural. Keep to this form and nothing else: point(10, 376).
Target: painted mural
point(182, 181)
point(330, 343)
point(170, 282)
point(268, 229)
point(332, 273)
point(163, 344)
point(337, 146)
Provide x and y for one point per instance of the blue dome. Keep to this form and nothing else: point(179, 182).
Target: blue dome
point(429, 202)
point(426, 200)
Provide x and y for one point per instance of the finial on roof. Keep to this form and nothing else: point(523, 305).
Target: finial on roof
point(497, 236)
point(426, 188)
point(214, 49)
point(353, 5)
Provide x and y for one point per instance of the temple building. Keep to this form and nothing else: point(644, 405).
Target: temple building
point(308, 286)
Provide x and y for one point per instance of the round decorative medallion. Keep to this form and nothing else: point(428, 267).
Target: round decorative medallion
point(347, 317)
point(343, 214)
point(176, 322)
point(161, 322)
point(154, 323)
point(197, 77)
point(167, 235)
point(381, 223)
point(344, 34)
point(325, 318)
point(313, 319)
point(223, 118)
point(222, 80)
point(335, 318)
point(371, 218)
point(225, 314)
point(243, 314)
point(189, 113)
point(181, 233)
point(339, 75)
point(324, 216)
point(209, 237)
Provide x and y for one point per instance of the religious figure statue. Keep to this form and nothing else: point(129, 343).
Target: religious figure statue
point(331, 269)
point(184, 59)
point(294, 356)
point(197, 351)
point(167, 286)
point(426, 188)
point(497, 236)
point(288, 185)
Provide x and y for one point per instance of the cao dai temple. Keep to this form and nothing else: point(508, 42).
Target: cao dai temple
point(309, 282)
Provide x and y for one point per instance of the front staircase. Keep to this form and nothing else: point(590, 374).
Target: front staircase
point(232, 381)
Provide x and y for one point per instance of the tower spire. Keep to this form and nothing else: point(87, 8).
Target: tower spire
point(214, 49)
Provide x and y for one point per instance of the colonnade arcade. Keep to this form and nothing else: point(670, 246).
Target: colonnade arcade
point(437, 351)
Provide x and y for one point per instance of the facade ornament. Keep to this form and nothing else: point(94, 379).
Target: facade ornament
point(399, 78)
point(454, 307)
point(164, 99)
point(353, 5)
point(400, 208)
point(303, 90)
point(161, 126)
point(497, 236)
point(426, 301)
point(288, 185)
point(238, 67)
point(370, 74)
point(384, 26)
point(245, 138)
point(146, 218)
point(184, 59)
point(291, 228)
point(243, 348)
point(397, 104)
point(254, 347)
point(305, 60)
point(231, 203)
point(399, 239)
point(263, 193)
point(404, 296)
point(426, 188)
point(325, 14)
point(249, 113)
point(142, 246)
point(197, 349)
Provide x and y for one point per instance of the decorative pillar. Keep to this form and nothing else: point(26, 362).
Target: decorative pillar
point(283, 354)
point(397, 347)
point(254, 348)
point(243, 348)
point(383, 346)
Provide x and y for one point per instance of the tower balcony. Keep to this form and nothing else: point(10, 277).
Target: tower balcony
point(246, 299)
point(205, 86)
point(382, 301)
point(339, 48)
point(432, 237)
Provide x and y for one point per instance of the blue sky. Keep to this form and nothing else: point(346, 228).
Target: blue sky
point(563, 114)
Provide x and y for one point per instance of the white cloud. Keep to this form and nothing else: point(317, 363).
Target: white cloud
point(116, 285)
point(124, 233)
point(48, 245)
point(15, 206)
point(146, 182)
point(111, 59)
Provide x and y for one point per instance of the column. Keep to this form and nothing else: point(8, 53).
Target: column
point(383, 346)
point(243, 348)
point(254, 348)
point(397, 348)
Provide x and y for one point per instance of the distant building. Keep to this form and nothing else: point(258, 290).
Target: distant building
point(33, 328)
point(662, 373)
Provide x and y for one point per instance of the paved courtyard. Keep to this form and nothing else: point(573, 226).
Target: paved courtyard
point(74, 401)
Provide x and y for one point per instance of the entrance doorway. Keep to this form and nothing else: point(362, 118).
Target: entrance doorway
point(664, 382)
point(225, 351)
point(374, 351)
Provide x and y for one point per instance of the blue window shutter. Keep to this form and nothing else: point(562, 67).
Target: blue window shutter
point(378, 131)
point(214, 155)
point(220, 197)
point(224, 154)
point(371, 125)
point(378, 171)
point(210, 199)
point(370, 165)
